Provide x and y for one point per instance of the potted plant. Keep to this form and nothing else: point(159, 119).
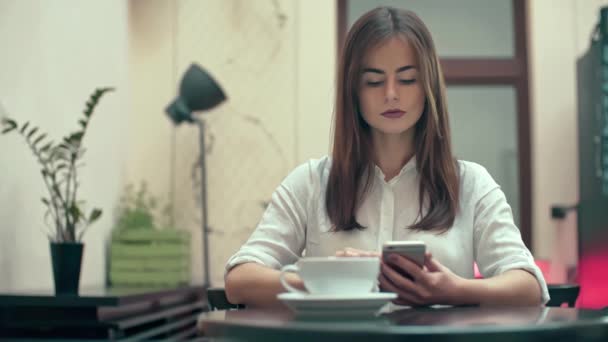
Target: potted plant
point(144, 253)
point(59, 163)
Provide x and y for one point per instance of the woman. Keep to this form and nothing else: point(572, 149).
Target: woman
point(392, 176)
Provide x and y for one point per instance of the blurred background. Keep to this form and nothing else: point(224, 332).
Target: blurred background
point(511, 68)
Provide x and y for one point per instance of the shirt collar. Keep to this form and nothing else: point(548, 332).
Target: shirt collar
point(411, 164)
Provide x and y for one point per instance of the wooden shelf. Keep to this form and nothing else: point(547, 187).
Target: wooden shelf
point(114, 314)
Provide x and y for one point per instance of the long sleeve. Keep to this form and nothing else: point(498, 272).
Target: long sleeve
point(497, 241)
point(280, 236)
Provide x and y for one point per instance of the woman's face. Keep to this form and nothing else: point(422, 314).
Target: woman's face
point(390, 91)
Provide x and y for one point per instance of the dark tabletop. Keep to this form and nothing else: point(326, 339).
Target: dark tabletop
point(101, 313)
point(89, 296)
point(439, 324)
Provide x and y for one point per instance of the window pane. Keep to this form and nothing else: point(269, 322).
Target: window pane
point(483, 120)
point(464, 28)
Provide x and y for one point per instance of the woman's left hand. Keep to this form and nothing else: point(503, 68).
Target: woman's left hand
point(432, 284)
point(353, 252)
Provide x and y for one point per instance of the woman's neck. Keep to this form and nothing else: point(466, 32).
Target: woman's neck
point(392, 152)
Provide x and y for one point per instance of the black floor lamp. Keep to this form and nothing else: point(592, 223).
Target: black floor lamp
point(198, 91)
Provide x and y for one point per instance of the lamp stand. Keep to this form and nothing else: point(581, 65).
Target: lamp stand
point(205, 228)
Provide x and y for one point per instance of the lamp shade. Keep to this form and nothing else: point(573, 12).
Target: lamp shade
point(198, 91)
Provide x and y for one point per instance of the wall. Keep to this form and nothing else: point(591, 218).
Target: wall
point(54, 54)
point(143, 54)
point(559, 34)
point(275, 61)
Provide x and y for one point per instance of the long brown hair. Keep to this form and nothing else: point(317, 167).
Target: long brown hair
point(352, 165)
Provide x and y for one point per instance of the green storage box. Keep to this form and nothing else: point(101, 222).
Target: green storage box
point(149, 258)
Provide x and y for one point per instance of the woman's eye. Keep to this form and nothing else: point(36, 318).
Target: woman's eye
point(378, 83)
point(373, 83)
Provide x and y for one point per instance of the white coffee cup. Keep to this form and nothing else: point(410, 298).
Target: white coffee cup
point(334, 275)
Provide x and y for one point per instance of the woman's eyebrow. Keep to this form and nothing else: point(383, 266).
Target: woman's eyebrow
point(380, 71)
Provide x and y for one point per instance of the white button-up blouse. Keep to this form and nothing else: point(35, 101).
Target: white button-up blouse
point(296, 223)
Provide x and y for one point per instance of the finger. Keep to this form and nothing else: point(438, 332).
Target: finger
point(360, 253)
point(418, 289)
point(340, 253)
point(404, 297)
point(352, 253)
point(400, 301)
point(370, 254)
point(433, 265)
point(403, 263)
point(388, 286)
point(428, 255)
point(398, 280)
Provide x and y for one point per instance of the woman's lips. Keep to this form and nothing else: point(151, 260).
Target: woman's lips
point(393, 114)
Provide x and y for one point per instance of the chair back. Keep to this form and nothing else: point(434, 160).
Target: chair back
point(217, 300)
point(563, 293)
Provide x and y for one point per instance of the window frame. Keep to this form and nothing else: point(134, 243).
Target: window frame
point(494, 71)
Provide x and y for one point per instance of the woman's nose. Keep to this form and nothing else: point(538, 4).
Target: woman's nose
point(391, 91)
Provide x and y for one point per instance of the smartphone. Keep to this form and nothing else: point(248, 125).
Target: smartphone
point(413, 250)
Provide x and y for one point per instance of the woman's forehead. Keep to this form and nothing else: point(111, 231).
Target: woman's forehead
point(395, 51)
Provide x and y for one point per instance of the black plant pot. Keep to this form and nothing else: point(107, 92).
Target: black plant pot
point(67, 259)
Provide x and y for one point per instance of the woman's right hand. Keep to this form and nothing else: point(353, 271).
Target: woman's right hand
point(353, 252)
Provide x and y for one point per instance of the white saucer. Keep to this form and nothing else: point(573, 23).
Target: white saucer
point(336, 305)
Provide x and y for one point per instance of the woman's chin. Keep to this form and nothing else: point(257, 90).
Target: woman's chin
point(390, 131)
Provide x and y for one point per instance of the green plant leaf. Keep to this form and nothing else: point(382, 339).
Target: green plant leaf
point(8, 124)
point(32, 132)
point(39, 139)
point(24, 127)
point(75, 212)
point(56, 189)
point(61, 152)
point(95, 215)
point(76, 136)
point(66, 211)
point(46, 147)
point(89, 106)
point(64, 145)
point(94, 99)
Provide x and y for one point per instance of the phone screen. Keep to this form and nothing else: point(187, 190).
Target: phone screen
point(414, 251)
